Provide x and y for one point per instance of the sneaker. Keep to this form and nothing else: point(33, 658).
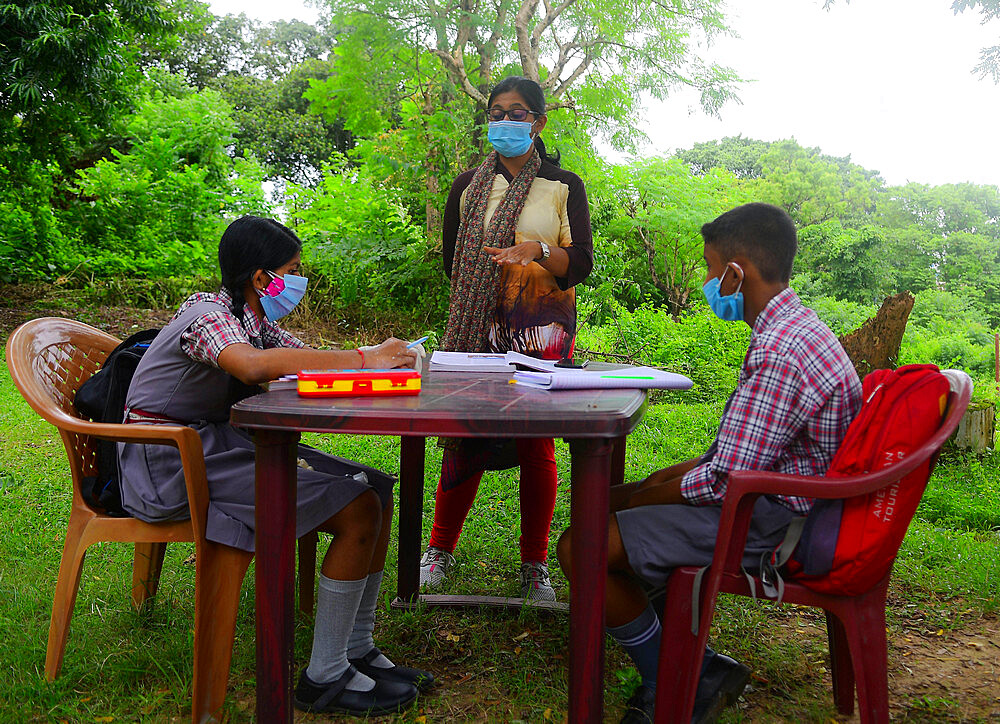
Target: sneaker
point(535, 582)
point(434, 567)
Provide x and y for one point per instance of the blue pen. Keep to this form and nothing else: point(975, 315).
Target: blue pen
point(415, 342)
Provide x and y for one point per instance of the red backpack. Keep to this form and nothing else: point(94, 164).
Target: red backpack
point(847, 546)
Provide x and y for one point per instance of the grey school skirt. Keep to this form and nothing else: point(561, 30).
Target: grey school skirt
point(153, 485)
point(659, 538)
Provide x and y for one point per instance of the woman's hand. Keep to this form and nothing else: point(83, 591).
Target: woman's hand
point(523, 253)
point(389, 354)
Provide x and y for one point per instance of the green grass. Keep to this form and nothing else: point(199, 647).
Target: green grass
point(494, 666)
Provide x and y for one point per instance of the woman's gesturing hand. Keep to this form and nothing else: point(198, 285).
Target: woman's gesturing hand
point(523, 253)
point(391, 353)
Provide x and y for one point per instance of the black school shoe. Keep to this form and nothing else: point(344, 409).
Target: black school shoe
point(386, 697)
point(720, 686)
point(419, 678)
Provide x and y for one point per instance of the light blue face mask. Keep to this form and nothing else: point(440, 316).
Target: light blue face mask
point(510, 138)
point(728, 307)
point(282, 294)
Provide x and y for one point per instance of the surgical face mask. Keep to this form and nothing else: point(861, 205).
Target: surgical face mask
point(510, 138)
point(282, 294)
point(728, 307)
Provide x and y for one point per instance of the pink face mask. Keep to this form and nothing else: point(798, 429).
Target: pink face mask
point(276, 287)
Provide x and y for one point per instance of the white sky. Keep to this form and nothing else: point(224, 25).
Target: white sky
point(889, 82)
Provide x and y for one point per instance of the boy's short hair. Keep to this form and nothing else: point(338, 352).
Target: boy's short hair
point(763, 233)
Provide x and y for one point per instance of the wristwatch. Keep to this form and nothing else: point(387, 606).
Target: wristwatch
point(545, 251)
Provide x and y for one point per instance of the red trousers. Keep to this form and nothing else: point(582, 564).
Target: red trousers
point(536, 457)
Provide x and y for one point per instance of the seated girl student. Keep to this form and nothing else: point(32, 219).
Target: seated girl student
point(214, 352)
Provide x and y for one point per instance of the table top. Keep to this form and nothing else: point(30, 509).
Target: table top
point(452, 404)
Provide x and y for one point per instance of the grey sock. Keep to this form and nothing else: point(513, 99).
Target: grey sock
point(360, 641)
point(336, 608)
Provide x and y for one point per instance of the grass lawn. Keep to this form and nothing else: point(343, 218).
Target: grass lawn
point(125, 666)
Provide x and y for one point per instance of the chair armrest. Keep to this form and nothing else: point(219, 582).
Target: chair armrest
point(185, 439)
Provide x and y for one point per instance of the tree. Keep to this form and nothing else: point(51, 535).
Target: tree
point(989, 58)
point(848, 264)
point(662, 208)
point(740, 156)
point(67, 69)
point(814, 188)
point(595, 56)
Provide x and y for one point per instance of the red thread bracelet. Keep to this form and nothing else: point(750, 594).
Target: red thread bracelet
point(358, 350)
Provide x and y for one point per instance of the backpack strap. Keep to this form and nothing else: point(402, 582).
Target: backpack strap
point(772, 584)
point(771, 581)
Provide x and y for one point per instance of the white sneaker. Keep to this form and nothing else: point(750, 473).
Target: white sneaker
point(434, 567)
point(535, 582)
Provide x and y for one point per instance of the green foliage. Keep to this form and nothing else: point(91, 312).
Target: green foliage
point(159, 208)
point(738, 155)
point(31, 243)
point(660, 206)
point(67, 69)
point(814, 188)
point(845, 263)
point(840, 316)
point(698, 345)
point(361, 238)
point(944, 329)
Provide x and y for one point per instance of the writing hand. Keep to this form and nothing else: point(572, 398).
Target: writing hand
point(391, 353)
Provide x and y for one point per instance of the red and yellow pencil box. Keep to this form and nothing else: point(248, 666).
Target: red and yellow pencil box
point(353, 383)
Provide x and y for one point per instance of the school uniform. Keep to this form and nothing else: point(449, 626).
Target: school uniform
point(178, 379)
point(796, 396)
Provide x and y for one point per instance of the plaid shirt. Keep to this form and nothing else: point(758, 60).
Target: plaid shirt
point(797, 394)
point(212, 332)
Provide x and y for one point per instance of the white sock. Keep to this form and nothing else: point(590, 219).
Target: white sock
point(360, 642)
point(336, 608)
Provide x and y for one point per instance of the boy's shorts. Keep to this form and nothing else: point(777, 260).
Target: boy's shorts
point(659, 538)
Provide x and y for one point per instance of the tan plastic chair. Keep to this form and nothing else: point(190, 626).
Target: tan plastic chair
point(49, 359)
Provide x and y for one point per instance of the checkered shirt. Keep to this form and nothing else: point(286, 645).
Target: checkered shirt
point(212, 332)
point(797, 394)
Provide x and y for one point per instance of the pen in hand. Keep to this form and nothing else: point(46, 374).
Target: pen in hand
point(415, 342)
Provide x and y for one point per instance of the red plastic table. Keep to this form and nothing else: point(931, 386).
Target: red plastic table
point(594, 422)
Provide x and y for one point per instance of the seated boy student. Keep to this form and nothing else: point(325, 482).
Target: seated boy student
point(797, 393)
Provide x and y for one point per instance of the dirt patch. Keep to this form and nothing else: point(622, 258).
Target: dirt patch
point(935, 675)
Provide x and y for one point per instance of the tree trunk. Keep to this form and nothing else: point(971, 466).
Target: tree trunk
point(875, 344)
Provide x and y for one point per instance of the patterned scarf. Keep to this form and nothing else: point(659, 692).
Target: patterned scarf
point(475, 279)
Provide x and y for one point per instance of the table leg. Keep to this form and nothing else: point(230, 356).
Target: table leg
point(275, 571)
point(618, 462)
point(411, 505)
point(591, 473)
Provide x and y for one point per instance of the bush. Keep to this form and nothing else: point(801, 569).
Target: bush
point(362, 240)
point(698, 345)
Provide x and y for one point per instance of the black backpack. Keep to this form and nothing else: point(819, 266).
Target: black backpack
point(102, 399)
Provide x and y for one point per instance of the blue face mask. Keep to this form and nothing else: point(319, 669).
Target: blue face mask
point(282, 294)
point(510, 138)
point(728, 307)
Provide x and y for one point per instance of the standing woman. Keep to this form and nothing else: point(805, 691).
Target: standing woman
point(517, 239)
point(215, 351)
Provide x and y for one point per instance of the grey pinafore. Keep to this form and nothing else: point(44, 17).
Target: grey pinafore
point(168, 382)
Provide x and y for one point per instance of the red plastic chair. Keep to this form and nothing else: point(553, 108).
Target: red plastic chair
point(855, 624)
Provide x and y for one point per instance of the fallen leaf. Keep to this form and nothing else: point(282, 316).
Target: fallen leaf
point(517, 650)
point(421, 719)
point(86, 698)
point(940, 632)
point(104, 719)
point(547, 713)
point(523, 636)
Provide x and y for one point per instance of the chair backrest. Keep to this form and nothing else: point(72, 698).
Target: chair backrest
point(849, 544)
point(49, 358)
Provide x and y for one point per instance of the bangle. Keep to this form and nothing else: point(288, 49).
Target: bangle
point(360, 352)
